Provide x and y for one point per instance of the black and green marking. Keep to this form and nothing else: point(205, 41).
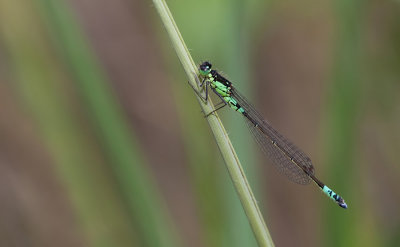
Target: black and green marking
point(289, 159)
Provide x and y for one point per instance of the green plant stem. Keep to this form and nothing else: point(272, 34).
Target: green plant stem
point(228, 153)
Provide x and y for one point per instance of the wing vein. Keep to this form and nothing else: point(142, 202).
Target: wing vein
point(285, 156)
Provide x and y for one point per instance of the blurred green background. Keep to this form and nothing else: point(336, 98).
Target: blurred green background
point(103, 143)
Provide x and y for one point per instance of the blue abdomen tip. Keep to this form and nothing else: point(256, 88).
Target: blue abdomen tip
point(339, 200)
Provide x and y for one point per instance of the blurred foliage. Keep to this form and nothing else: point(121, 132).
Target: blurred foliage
point(103, 143)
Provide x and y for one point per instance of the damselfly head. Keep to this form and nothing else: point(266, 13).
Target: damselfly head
point(205, 68)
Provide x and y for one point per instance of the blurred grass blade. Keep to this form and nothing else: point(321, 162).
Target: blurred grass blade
point(41, 86)
point(135, 182)
point(344, 103)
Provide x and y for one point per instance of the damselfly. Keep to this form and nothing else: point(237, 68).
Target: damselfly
point(285, 156)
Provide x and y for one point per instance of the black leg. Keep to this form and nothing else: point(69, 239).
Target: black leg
point(205, 99)
point(217, 105)
point(198, 93)
point(225, 104)
point(220, 107)
point(202, 83)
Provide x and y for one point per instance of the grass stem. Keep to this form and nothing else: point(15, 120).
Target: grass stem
point(224, 144)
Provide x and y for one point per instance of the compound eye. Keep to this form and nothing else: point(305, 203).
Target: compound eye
point(206, 66)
